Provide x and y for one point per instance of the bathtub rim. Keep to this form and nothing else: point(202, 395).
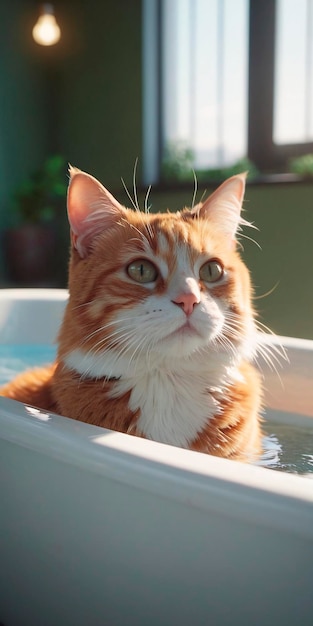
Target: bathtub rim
point(261, 494)
point(251, 493)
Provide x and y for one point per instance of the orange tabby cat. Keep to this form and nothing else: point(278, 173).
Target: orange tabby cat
point(158, 334)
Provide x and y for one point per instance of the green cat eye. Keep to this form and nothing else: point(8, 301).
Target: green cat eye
point(211, 272)
point(142, 271)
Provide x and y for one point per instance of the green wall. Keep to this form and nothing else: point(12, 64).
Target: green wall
point(99, 82)
point(284, 216)
point(23, 138)
point(81, 98)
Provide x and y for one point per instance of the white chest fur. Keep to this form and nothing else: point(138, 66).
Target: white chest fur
point(175, 399)
point(173, 408)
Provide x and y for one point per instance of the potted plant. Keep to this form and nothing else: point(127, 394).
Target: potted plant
point(30, 245)
point(302, 165)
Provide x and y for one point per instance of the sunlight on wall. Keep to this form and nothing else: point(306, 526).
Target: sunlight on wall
point(293, 103)
point(205, 83)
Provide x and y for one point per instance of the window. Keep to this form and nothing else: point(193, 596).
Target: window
point(205, 78)
point(293, 78)
point(228, 79)
point(269, 145)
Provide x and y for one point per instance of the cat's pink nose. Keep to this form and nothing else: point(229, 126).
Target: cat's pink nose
point(187, 301)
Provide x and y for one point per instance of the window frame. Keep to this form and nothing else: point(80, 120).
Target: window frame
point(261, 149)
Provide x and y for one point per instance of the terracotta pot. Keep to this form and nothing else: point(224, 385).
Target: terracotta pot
point(30, 254)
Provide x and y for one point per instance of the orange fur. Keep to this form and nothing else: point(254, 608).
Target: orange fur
point(107, 307)
point(33, 387)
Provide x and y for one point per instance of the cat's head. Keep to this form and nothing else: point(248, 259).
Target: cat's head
point(164, 285)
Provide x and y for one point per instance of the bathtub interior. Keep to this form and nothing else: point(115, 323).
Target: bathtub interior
point(98, 527)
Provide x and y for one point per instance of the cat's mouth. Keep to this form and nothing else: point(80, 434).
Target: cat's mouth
point(185, 330)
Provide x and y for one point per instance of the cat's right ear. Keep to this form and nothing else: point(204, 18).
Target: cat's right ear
point(91, 210)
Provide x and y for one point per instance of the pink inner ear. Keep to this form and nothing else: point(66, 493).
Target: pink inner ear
point(91, 209)
point(223, 207)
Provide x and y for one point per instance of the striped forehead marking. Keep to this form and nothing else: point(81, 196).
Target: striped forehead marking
point(177, 247)
point(164, 244)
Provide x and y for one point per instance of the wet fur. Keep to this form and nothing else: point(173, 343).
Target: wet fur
point(132, 357)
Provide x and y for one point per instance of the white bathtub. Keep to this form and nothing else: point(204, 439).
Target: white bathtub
point(103, 529)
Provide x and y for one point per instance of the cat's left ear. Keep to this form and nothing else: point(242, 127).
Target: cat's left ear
point(223, 207)
point(91, 209)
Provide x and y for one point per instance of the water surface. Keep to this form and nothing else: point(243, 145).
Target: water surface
point(288, 448)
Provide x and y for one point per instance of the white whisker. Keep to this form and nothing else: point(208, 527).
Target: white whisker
point(203, 195)
point(80, 306)
point(268, 293)
point(142, 235)
point(134, 185)
point(225, 343)
point(270, 359)
point(147, 208)
point(104, 327)
point(195, 189)
point(249, 238)
point(129, 195)
point(277, 348)
point(135, 203)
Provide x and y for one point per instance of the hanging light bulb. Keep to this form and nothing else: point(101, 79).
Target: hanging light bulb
point(46, 31)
